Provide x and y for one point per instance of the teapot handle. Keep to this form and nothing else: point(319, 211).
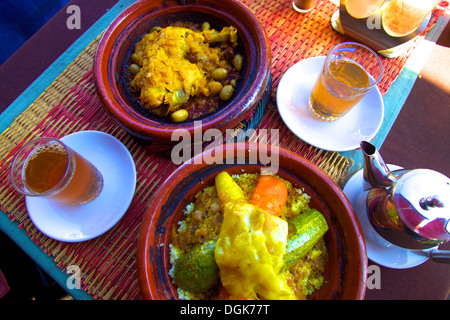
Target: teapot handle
point(441, 256)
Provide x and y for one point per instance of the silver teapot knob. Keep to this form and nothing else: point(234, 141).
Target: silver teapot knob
point(431, 202)
point(422, 198)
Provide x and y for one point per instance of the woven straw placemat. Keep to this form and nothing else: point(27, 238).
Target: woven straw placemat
point(70, 104)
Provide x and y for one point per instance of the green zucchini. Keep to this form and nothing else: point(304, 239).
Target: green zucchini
point(196, 271)
point(309, 229)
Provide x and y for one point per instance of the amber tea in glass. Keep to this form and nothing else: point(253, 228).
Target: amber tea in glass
point(360, 9)
point(350, 71)
point(47, 167)
point(304, 6)
point(402, 17)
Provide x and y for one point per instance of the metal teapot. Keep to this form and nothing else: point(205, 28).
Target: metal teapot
point(408, 208)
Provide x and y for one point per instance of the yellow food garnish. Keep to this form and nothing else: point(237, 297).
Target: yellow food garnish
point(249, 253)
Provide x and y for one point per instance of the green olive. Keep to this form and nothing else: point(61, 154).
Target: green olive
point(219, 74)
point(157, 29)
point(134, 69)
point(206, 26)
point(226, 92)
point(237, 62)
point(135, 57)
point(180, 115)
point(214, 88)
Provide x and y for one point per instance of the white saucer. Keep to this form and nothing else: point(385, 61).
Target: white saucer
point(359, 124)
point(378, 249)
point(74, 223)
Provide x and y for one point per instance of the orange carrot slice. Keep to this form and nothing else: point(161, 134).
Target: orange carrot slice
point(270, 194)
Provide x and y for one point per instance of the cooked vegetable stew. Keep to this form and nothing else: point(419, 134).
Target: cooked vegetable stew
point(249, 236)
point(185, 71)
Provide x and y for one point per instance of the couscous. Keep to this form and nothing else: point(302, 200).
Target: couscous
point(219, 239)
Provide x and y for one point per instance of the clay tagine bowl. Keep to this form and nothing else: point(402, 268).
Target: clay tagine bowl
point(346, 269)
point(118, 43)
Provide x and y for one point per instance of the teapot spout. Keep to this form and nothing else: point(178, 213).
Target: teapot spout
point(376, 172)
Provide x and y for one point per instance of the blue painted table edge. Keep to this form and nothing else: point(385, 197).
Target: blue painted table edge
point(399, 91)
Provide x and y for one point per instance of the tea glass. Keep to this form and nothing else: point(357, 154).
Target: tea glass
point(350, 71)
point(303, 6)
point(402, 17)
point(361, 9)
point(46, 167)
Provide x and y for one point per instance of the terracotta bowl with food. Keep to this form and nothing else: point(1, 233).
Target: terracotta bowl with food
point(167, 65)
point(228, 225)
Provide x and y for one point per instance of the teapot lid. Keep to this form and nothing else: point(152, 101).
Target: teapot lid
point(422, 199)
